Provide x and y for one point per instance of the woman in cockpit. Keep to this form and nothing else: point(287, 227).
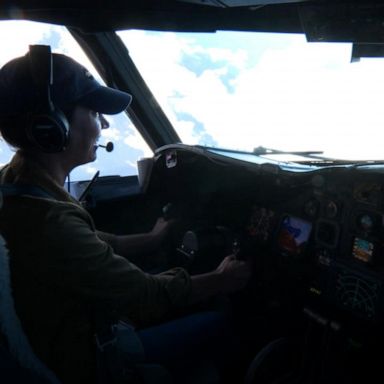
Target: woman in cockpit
point(62, 268)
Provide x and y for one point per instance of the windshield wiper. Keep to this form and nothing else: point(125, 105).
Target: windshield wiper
point(260, 151)
point(314, 156)
point(363, 163)
point(270, 151)
point(329, 161)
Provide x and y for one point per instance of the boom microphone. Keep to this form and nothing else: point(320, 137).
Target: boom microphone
point(108, 147)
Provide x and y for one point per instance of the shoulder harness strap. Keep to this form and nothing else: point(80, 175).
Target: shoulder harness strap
point(24, 190)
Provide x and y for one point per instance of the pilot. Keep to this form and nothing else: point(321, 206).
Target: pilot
point(61, 266)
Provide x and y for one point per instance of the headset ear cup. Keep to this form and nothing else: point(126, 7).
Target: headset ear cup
point(49, 131)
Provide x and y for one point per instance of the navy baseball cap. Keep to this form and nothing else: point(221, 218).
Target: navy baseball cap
point(72, 85)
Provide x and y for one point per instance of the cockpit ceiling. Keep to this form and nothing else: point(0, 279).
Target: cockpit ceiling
point(347, 21)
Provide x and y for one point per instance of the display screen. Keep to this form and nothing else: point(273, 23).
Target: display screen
point(293, 235)
point(362, 249)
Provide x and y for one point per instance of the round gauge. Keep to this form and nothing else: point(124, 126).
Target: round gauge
point(357, 293)
point(366, 222)
point(331, 210)
point(311, 207)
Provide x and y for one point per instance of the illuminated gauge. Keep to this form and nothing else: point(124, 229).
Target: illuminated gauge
point(366, 222)
point(331, 210)
point(311, 207)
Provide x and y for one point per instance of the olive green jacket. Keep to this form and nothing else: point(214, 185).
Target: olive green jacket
point(61, 267)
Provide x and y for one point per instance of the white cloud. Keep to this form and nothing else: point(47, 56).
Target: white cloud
point(235, 57)
point(134, 140)
point(185, 129)
point(89, 169)
point(296, 96)
point(111, 134)
point(16, 36)
point(132, 164)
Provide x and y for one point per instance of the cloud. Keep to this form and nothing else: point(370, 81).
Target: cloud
point(132, 164)
point(185, 130)
point(293, 95)
point(91, 170)
point(235, 57)
point(134, 140)
point(16, 36)
point(111, 134)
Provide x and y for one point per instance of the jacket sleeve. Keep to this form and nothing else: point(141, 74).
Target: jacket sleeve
point(75, 259)
point(109, 238)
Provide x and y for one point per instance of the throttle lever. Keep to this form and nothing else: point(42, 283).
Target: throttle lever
point(243, 248)
point(169, 211)
point(238, 250)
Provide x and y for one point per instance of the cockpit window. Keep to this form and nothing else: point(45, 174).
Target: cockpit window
point(129, 146)
point(247, 90)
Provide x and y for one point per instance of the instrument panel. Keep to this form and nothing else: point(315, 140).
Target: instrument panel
point(336, 227)
point(315, 236)
point(323, 227)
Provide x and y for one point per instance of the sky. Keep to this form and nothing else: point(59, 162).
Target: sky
point(234, 90)
point(278, 91)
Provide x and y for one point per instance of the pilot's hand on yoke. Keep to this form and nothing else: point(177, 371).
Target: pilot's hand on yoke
point(160, 231)
point(234, 273)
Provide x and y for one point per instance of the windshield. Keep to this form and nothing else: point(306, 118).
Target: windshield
point(244, 90)
point(129, 146)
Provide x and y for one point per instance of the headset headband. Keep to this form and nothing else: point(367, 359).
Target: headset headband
point(48, 129)
point(40, 59)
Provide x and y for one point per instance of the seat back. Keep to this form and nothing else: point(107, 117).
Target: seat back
point(11, 329)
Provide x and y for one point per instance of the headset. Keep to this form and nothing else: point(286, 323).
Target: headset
point(48, 128)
